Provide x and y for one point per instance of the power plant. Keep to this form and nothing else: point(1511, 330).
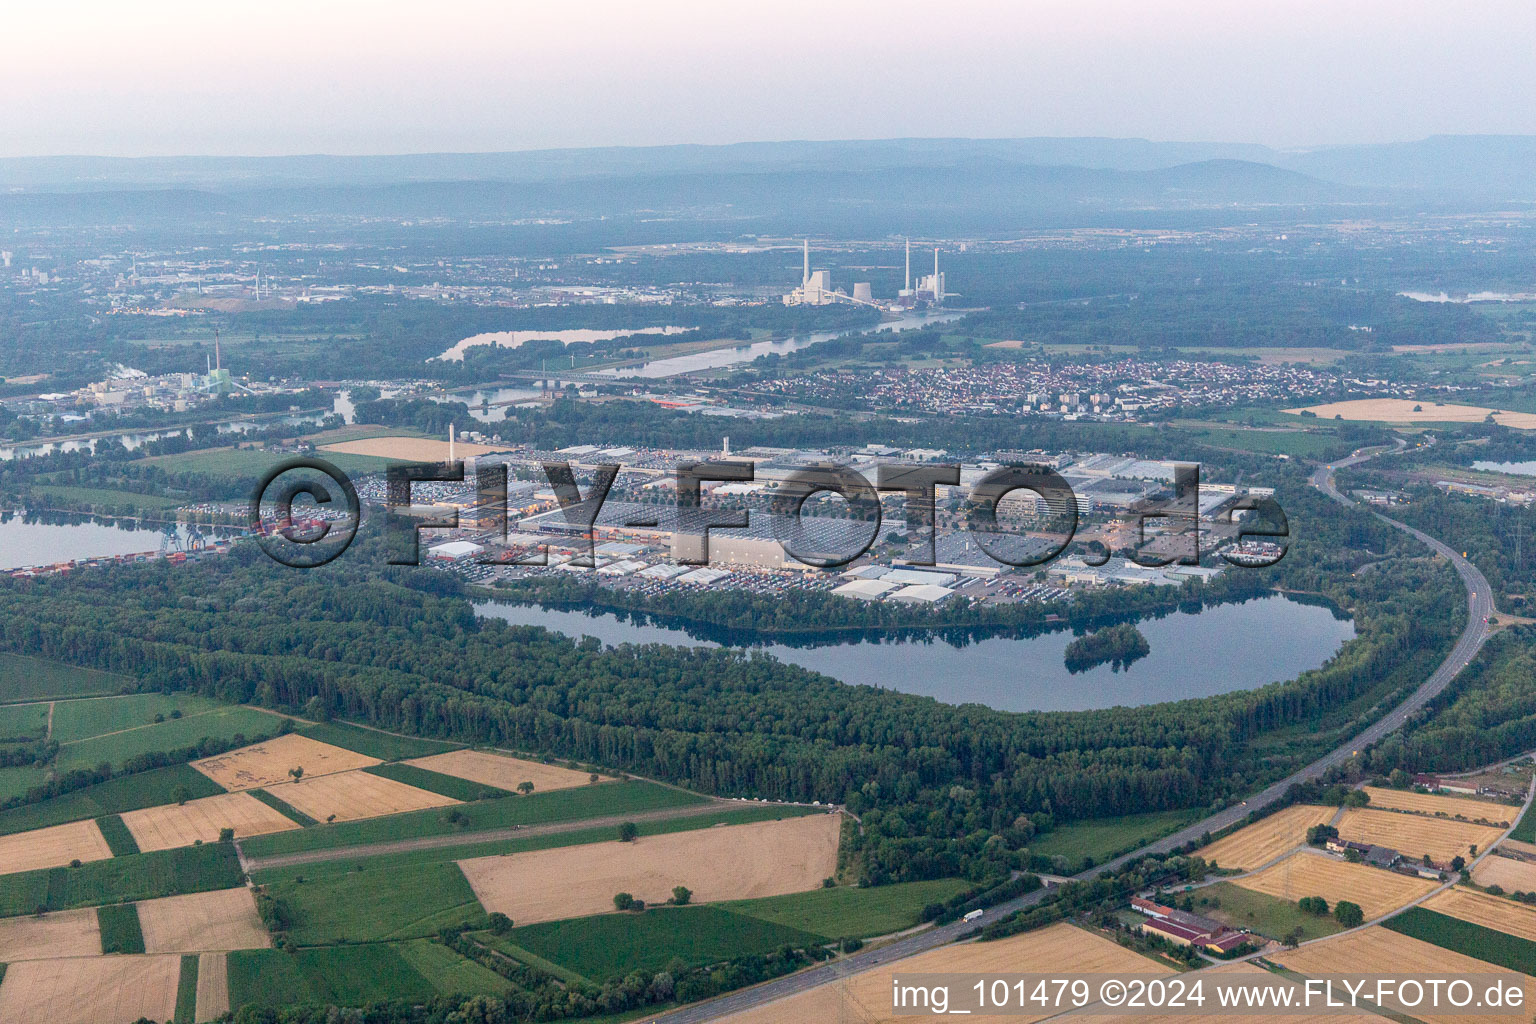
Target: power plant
point(816, 287)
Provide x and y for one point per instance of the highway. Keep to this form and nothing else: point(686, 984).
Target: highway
point(1479, 607)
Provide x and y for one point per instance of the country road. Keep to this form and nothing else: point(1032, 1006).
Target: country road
point(1479, 608)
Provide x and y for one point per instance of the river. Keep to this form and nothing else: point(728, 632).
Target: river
point(1216, 650)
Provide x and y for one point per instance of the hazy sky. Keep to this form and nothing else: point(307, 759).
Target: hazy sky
point(346, 76)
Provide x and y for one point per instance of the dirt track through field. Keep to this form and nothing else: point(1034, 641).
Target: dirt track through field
point(488, 836)
point(765, 858)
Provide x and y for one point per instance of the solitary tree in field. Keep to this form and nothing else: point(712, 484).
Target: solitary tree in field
point(226, 835)
point(623, 901)
point(296, 773)
point(500, 923)
point(681, 894)
point(628, 831)
point(181, 794)
point(525, 788)
point(594, 777)
point(1348, 914)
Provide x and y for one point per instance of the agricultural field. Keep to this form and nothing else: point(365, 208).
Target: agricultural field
point(735, 862)
point(406, 449)
point(1380, 950)
point(212, 999)
point(850, 910)
point(348, 796)
point(223, 722)
point(19, 781)
point(1489, 911)
point(223, 919)
point(171, 825)
point(268, 763)
point(241, 466)
point(24, 678)
point(1103, 838)
point(1462, 936)
point(82, 719)
point(52, 847)
point(866, 997)
point(1434, 804)
point(1262, 913)
point(599, 948)
point(142, 876)
point(501, 771)
point(120, 932)
point(1413, 835)
point(538, 809)
point(23, 722)
point(448, 972)
point(70, 933)
point(1512, 875)
point(1312, 874)
point(461, 790)
point(1255, 845)
point(401, 901)
point(1406, 410)
point(342, 975)
point(385, 746)
point(115, 796)
point(90, 990)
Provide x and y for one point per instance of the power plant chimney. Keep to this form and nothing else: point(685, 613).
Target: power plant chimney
point(450, 442)
point(806, 278)
point(909, 265)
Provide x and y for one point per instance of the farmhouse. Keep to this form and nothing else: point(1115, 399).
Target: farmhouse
point(1185, 929)
point(1376, 856)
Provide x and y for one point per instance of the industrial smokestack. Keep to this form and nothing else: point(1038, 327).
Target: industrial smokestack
point(450, 442)
point(806, 277)
point(908, 286)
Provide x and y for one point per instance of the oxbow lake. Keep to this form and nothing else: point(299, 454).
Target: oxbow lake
point(1216, 650)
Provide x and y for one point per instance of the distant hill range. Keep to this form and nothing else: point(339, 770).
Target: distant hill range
point(914, 185)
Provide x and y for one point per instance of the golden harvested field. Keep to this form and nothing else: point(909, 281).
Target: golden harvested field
point(866, 998)
point(501, 771)
point(161, 828)
point(1401, 410)
point(1312, 874)
point(1516, 846)
point(1414, 835)
point(203, 921)
point(52, 847)
point(212, 986)
point(1379, 951)
point(1513, 875)
point(267, 764)
point(766, 858)
point(91, 990)
point(1429, 803)
point(1264, 840)
point(1490, 911)
point(66, 933)
point(355, 795)
point(409, 449)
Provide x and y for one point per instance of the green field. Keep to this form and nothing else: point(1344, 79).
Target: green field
point(23, 722)
point(382, 745)
point(538, 809)
point(119, 924)
point(282, 807)
point(1258, 912)
point(1466, 938)
point(115, 796)
point(75, 720)
point(23, 678)
point(231, 722)
point(337, 975)
point(103, 497)
point(17, 781)
point(1525, 828)
point(246, 465)
point(143, 876)
point(450, 973)
point(850, 911)
point(119, 840)
point(186, 991)
point(436, 782)
point(1103, 838)
point(609, 945)
point(399, 902)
